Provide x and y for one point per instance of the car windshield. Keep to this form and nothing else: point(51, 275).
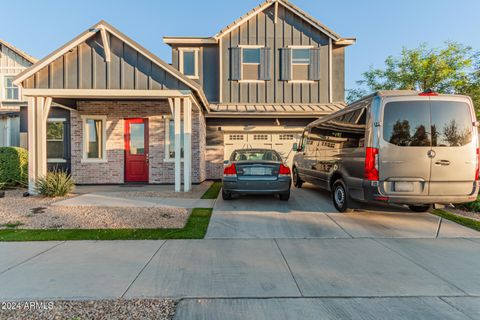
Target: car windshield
point(252, 155)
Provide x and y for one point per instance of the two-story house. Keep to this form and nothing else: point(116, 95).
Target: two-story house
point(136, 118)
point(266, 76)
point(12, 62)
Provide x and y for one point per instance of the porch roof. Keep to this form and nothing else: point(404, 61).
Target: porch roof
point(267, 110)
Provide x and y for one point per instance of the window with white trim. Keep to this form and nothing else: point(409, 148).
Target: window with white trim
point(94, 138)
point(56, 139)
point(170, 139)
point(11, 91)
point(250, 63)
point(300, 63)
point(189, 62)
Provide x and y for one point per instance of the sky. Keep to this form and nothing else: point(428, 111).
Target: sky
point(382, 27)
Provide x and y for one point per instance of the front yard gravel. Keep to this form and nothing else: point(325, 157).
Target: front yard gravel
point(37, 213)
point(139, 309)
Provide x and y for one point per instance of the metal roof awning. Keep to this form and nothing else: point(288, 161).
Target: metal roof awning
point(274, 110)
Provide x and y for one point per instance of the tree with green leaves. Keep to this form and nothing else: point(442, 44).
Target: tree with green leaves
point(455, 68)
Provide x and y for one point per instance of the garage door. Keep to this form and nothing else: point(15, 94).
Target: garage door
point(280, 142)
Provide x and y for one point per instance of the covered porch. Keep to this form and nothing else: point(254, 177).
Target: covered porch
point(181, 105)
point(112, 85)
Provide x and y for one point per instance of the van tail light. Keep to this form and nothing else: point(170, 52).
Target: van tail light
point(371, 164)
point(284, 170)
point(477, 169)
point(230, 171)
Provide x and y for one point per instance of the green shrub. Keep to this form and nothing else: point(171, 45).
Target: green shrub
point(55, 184)
point(13, 167)
point(471, 206)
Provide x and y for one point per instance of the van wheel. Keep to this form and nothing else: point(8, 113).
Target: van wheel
point(297, 182)
point(226, 195)
point(420, 208)
point(341, 197)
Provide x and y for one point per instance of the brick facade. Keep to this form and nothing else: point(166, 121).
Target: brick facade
point(112, 171)
point(214, 162)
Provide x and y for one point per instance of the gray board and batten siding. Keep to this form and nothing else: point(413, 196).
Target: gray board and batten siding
point(84, 67)
point(290, 30)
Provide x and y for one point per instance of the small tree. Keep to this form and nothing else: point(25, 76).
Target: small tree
point(451, 69)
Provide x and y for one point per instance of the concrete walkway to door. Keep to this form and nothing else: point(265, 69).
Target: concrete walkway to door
point(310, 214)
point(140, 196)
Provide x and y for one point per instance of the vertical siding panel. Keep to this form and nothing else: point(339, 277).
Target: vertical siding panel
point(99, 66)
point(71, 69)
point(279, 43)
point(270, 42)
point(288, 34)
point(225, 78)
point(85, 58)
point(324, 74)
point(56, 74)
point(157, 78)
point(143, 70)
point(338, 74)
point(235, 40)
point(115, 76)
point(261, 24)
point(42, 78)
point(128, 66)
point(175, 58)
point(243, 38)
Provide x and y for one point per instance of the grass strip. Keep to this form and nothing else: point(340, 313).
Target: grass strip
point(467, 222)
point(195, 228)
point(213, 191)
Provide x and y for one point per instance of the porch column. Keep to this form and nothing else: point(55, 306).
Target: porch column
point(176, 122)
point(187, 147)
point(38, 108)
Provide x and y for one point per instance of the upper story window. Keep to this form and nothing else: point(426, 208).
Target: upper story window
point(10, 90)
point(189, 62)
point(300, 64)
point(250, 63)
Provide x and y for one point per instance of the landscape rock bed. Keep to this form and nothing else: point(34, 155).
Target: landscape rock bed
point(36, 212)
point(121, 309)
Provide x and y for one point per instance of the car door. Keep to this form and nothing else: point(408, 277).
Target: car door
point(454, 147)
point(405, 146)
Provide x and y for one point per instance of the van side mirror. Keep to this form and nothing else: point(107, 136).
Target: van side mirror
point(225, 161)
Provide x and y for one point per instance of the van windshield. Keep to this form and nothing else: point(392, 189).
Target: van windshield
point(427, 123)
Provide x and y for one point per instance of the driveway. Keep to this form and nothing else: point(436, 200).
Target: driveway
point(310, 214)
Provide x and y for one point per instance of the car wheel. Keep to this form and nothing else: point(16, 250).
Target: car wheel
point(285, 196)
point(420, 208)
point(297, 182)
point(226, 195)
point(341, 197)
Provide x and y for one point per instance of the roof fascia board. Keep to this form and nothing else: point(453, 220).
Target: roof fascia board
point(189, 40)
point(21, 53)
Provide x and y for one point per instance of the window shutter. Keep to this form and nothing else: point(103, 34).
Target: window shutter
point(264, 64)
point(286, 64)
point(314, 68)
point(235, 63)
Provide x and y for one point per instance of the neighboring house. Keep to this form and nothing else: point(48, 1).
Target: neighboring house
point(12, 62)
point(135, 118)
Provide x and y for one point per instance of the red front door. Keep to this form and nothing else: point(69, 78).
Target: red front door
point(136, 150)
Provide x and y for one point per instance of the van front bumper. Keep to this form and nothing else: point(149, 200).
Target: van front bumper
point(372, 194)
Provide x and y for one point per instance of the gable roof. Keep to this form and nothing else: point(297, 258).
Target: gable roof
point(21, 53)
point(338, 40)
point(90, 32)
point(314, 22)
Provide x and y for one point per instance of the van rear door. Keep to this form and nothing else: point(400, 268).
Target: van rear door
point(405, 145)
point(454, 147)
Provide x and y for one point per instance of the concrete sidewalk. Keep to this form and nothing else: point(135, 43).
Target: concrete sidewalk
point(284, 268)
point(246, 279)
